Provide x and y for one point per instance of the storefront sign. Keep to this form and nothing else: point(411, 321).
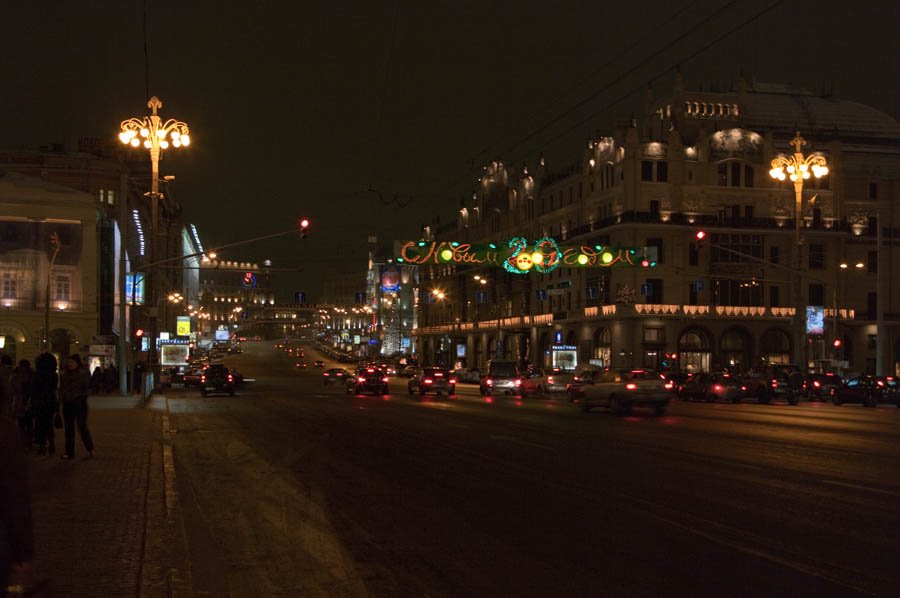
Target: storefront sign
point(183, 326)
point(102, 350)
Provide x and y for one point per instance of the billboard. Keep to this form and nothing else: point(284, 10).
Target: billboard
point(183, 326)
point(390, 279)
point(223, 335)
point(815, 320)
point(174, 354)
point(134, 295)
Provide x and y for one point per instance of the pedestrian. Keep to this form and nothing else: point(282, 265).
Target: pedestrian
point(5, 388)
point(20, 381)
point(44, 404)
point(96, 380)
point(16, 530)
point(109, 379)
point(74, 384)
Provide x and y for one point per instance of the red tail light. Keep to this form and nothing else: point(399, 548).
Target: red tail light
point(816, 384)
point(452, 380)
point(717, 387)
point(743, 388)
point(230, 378)
point(384, 379)
point(517, 382)
point(669, 385)
point(576, 378)
point(203, 378)
point(774, 383)
point(326, 374)
point(549, 379)
point(489, 382)
point(360, 379)
point(428, 381)
point(631, 386)
point(438, 374)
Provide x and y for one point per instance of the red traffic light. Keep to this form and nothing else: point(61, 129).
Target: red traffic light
point(139, 332)
point(645, 263)
point(304, 223)
point(701, 234)
point(837, 343)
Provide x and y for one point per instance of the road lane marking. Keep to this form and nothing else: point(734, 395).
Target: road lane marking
point(515, 440)
point(859, 487)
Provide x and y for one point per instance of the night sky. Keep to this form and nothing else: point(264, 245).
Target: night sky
point(297, 108)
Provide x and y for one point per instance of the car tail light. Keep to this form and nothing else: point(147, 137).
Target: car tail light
point(489, 382)
point(452, 380)
point(360, 379)
point(631, 386)
point(326, 374)
point(576, 378)
point(817, 384)
point(230, 378)
point(743, 388)
point(774, 383)
point(549, 379)
point(517, 382)
point(717, 387)
point(669, 385)
point(438, 374)
point(203, 378)
point(428, 381)
point(384, 379)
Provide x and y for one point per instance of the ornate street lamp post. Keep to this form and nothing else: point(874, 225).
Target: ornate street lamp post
point(156, 135)
point(798, 168)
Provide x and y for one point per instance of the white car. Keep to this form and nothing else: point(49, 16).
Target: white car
point(620, 389)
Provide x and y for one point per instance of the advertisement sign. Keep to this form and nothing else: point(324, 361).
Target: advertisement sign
point(183, 326)
point(174, 354)
point(223, 335)
point(390, 279)
point(102, 350)
point(134, 295)
point(249, 280)
point(815, 320)
point(460, 350)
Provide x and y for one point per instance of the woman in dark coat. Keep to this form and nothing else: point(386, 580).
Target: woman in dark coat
point(44, 405)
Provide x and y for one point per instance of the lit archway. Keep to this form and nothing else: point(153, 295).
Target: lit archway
point(775, 346)
point(695, 350)
point(736, 349)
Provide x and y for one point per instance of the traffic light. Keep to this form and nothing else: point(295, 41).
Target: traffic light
point(139, 332)
point(304, 227)
point(700, 235)
point(837, 343)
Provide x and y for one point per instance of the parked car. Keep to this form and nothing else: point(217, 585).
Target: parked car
point(410, 371)
point(820, 387)
point(368, 379)
point(501, 376)
point(436, 380)
point(622, 389)
point(540, 382)
point(710, 387)
point(868, 390)
point(335, 375)
point(192, 377)
point(216, 378)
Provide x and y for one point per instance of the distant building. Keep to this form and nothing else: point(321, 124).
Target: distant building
point(693, 160)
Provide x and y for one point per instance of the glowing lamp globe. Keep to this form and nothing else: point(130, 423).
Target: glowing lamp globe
point(582, 259)
point(537, 257)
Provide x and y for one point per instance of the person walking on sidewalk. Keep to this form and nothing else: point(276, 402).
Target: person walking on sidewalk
point(74, 386)
point(20, 381)
point(44, 404)
point(16, 530)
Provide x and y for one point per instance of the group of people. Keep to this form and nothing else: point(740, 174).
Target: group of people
point(39, 400)
point(104, 380)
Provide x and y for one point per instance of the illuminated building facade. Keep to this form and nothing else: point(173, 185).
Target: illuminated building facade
point(693, 161)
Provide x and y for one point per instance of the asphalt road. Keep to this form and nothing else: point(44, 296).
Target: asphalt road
point(293, 488)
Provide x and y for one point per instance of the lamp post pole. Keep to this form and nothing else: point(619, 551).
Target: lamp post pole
point(54, 241)
point(154, 134)
point(798, 168)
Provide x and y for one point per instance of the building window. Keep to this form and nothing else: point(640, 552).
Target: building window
point(727, 248)
point(693, 254)
point(653, 290)
point(653, 334)
point(816, 257)
point(748, 212)
point(748, 175)
point(873, 190)
point(9, 289)
point(693, 293)
point(774, 300)
point(63, 288)
point(816, 294)
point(662, 172)
point(872, 306)
point(646, 170)
point(872, 262)
point(735, 174)
point(658, 243)
point(774, 254)
point(723, 175)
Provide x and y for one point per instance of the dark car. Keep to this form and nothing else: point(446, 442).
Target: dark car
point(319, 363)
point(368, 380)
point(502, 376)
point(216, 378)
point(868, 390)
point(775, 381)
point(333, 375)
point(710, 387)
point(820, 387)
point(432, 380)
point(193, 376)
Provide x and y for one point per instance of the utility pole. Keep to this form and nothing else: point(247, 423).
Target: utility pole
point(54, 242)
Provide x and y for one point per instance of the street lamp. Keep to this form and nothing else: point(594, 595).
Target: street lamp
point(798, 168)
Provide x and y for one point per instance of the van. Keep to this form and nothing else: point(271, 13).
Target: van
point(502, 376)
